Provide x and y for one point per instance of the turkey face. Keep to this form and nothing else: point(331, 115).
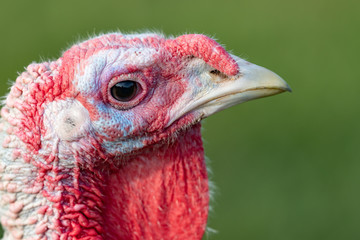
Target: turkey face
point(125, 89)
point(137, 90)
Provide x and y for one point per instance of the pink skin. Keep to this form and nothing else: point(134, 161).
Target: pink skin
point(121, 174)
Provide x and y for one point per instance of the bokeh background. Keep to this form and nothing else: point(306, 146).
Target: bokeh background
point(285, 167)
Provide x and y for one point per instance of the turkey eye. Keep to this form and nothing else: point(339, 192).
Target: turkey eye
point(125, 91)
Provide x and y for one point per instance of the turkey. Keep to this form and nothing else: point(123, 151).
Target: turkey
point(105, 142)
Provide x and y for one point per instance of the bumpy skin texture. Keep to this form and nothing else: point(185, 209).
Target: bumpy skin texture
point(76, 164)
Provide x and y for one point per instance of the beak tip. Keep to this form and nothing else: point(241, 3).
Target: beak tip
point(288, 88)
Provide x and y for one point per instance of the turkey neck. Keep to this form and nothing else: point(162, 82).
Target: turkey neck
point(161, 193)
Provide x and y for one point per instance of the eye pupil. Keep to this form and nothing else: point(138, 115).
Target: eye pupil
point(124, 91)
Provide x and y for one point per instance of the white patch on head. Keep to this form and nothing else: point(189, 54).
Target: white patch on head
point(72, 120)
point(102, 65)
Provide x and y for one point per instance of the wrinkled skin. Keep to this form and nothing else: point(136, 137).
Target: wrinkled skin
point(78, 163)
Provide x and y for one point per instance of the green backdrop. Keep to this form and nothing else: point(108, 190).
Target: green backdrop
point(285, 167)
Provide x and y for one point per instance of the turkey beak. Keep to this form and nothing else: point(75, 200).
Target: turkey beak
point(252, 82)
point(219, 91)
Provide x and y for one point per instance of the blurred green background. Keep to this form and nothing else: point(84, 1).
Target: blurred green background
point(285, 167)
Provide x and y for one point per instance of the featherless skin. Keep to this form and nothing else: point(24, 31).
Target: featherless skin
point(105, 143)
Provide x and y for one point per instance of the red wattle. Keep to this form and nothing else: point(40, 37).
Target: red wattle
point(161, 194)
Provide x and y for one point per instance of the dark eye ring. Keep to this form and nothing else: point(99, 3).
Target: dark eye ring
point(125, 91)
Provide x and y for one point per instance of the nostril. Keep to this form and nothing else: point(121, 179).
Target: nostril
point(215, 72)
